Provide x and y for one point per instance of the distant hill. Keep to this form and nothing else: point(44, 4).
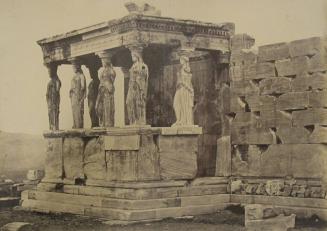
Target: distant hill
point(19, 153)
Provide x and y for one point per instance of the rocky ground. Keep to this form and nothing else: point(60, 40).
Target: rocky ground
point(222, 221)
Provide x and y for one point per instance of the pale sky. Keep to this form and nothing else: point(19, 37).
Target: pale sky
point(23, 78)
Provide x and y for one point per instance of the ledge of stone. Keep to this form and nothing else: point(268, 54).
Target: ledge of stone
point(127, 130)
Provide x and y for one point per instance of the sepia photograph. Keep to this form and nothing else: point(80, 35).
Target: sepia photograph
point(141, 115)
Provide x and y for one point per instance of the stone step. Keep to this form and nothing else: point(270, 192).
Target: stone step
point(101, 202)
point(120, 214)
point(137, 194)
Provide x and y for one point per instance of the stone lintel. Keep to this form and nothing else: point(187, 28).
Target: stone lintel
point(181, 130)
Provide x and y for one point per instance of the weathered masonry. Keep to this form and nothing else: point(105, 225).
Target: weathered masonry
point(208, 121)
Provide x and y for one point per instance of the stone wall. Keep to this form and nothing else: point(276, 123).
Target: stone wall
point(208, 79)
point(278, 114)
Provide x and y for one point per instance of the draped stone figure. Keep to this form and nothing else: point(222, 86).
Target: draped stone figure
point(92, 96)
point(184, 96)
point(105, 105)
point(137, 91)
point(53, 97)
point(77, 95)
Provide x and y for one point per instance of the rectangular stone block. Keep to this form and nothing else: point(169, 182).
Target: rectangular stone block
point(95, 159)
point(273, 52)
point(275, 85)
point(292, 67)
point(223, 160)
point(310, 116)
point(178, 156)
point(261, 103)
point(319, 135)
point(236, 104)
point(244, 119)
point(259, 71)
point(318, 62)
point(73, 156)
point(305, 47)
point(244, 87)
point(293, 135)
point(246, 160)
point(245, 57)
point(316, 81)
point(122, 142)
point(293, 100)
point(309, 160)
point(275, 118)
point(236, 73)
point(251, 135)
point(121, 165)
point(318, 99)
point(54, 159)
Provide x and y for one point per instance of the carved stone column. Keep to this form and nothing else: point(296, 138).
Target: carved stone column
point(137, 88)
point(53, 96)
point(77, 94)
point(92, 95)
point(105, 103)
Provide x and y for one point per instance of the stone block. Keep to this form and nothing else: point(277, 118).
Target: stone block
point(275, 161)
point(122, 142)
point(259, 71)
point(292, 67)
point(236, 73)
point(293, 135)
point(251, 135)
point(261, 103)
point(244, 87)
point(246, 160)
point(148, 159)
point(34, 175)
point(244, 119)
point(275, 118)
point(275, 85)
point(318, 98)
point(178, 156)
point(308, 160)
point(306, 47)
point(279, 223)
point(243, 57)
point(223, 159)
point(73, 156)
point(121, 165)
point(237, 104)
point(319, 135)
point(273, 52)
point(204, 200)
point(293, 100)
point(310, 116)
point(236, 186)
point(16, 226)
point(54, 159)
point(95, 159)
point(316, 81)
point(241, 41)
point(318, 62)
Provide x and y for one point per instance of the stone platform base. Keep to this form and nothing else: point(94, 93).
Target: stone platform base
point(156, 200)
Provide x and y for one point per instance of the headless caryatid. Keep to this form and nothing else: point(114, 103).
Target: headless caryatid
point(184, 96)
point(105, 104)
point(137, 90)
point(53, 97)
point(77, 95)
point(92, 95)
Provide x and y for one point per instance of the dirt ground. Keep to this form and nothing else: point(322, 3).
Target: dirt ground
point(222, 221)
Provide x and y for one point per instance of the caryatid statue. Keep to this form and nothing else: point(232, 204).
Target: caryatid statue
point(184, 96)
point(77, 95)
point(92, 95)
point(105, 104)
point(53, 97)
point(137, 89)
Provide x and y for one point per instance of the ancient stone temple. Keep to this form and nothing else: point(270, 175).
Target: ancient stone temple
point(208, 121)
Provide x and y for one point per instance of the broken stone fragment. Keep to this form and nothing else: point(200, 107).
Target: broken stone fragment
point(236, 186)
point(274, 187)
